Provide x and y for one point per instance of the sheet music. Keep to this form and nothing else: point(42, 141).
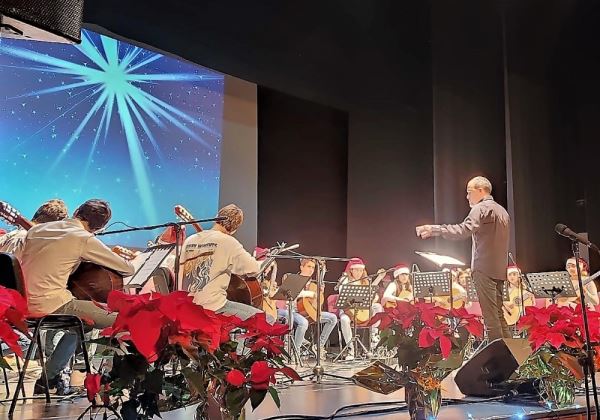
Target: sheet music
point(440, 260)
point(146, 263)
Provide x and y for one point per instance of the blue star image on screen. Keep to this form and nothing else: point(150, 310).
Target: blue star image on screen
point(112, 120)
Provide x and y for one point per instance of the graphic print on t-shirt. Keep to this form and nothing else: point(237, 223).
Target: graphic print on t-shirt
point(196, 271)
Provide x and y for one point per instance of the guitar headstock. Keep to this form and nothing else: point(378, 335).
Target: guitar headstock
point(13, 216)
point(183, 213)
point(123, 252)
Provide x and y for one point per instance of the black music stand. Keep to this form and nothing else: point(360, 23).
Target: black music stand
point(149, 261)
point(291, 286)
point(432, 284)
point(355, 296)
point(551, 285)
point(471, 290)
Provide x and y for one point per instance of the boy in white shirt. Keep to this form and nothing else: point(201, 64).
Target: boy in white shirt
point(210, 258)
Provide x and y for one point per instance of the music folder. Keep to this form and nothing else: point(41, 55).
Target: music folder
point(291, 286)
point(146, 263)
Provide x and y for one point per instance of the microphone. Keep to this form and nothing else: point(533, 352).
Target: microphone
point(563, 230)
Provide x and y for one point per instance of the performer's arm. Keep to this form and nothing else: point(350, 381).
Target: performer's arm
point(96, 252)
point(242, 263)
point(458, 231)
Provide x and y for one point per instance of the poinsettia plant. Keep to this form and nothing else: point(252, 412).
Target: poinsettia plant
point(557, 337)
point(169, 352)
point(429, 340)
point(13, 310)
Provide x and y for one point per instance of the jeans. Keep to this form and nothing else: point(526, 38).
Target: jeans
point(346, 323)
point(489, 292)
point(67, 345)
point(328, 320)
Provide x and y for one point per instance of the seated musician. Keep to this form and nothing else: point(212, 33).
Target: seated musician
point(400, 289)
point(210, 258)
point(329, 320)
point(459, 293)
point(513, 308)
point(50, 211)
point(355, 270)
point(591, 292)
point(51, 254)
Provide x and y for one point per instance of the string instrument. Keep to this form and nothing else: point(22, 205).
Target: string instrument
point(89, 281)
point(362, 314)
point(307, 306)
point(577, 300)
point(512, 308)
point(125, 253)
point(459, 298)
point(405, 295)
point(186, 216)
point(268, 305)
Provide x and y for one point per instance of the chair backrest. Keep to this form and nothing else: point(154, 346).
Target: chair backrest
point(11, 275)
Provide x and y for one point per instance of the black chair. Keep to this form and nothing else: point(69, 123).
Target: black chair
point(11, 276)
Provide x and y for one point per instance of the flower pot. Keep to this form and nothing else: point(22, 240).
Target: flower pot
point(423, 403)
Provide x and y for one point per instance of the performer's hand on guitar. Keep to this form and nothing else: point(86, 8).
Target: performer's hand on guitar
point(424, 231)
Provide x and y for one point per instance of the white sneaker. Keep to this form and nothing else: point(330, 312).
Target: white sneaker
point(349, 357)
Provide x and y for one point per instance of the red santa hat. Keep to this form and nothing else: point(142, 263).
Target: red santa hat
point(401, 269)
point(168, 236)
point(512, 269)
point(260, 253)
point(354, 263)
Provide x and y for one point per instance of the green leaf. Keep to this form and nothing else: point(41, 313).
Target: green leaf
point(154, 381)
point(454, 361)
point(275, 396)
point(194, 380)
point(235, 400)
point(257, 397)
point(4, 364)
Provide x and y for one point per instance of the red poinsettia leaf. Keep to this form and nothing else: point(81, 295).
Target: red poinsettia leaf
point(290, 373)
point(445, 346)
point(261, 375)
point(17, 320)
point(425, 338)
point(92, 385)
point(236, 378)
point(474, 327)
point(555, 339)
point(145, 328)
point(10, 337)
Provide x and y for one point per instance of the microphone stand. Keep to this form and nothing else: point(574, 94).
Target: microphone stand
point(321, 269)
point(176, 225)
point(588, 366)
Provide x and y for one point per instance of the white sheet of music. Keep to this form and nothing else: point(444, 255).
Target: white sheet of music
point(440, 260)
point(146, 263)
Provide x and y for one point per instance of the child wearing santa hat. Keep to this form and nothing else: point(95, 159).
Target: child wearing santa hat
point(591, 292)
point(355, 273)
point(400, 289)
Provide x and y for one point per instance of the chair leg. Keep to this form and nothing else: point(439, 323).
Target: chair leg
point(86, 360)
point(6, 382)
point(19, 372)
point(38, 338)
point(13, 403)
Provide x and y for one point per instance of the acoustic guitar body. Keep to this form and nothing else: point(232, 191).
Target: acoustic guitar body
point(246, 290)
point(93, 282)
point(308, 306)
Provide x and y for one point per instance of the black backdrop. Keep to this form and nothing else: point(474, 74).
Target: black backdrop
point(426, 94)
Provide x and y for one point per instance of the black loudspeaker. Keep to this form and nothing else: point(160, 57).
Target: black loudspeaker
point(42, 20)
point(493, 364)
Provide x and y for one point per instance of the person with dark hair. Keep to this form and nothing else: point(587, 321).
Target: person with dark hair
point(52, 252)
point(210, 258)
point(50, 211)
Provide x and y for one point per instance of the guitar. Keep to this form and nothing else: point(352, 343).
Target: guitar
point(307, 306)
point(404, 295)
point(268, 305)
point(186, 216)
point(89, 281)
point(459, 298)
point(577, 299)
point(512, 308)
point(125, 253)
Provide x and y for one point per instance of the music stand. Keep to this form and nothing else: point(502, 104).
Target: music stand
point(148, 262)
point(471, 290)
point(551, 285)
point(355, 296)
point(433, 283)
point(291, 286)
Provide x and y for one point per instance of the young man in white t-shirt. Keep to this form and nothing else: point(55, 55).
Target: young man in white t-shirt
point(210, 258)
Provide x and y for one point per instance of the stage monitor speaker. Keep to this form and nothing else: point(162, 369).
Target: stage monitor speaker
point(493, 364)
point(42, 20)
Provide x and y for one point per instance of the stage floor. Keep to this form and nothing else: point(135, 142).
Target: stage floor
point(311, 399)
